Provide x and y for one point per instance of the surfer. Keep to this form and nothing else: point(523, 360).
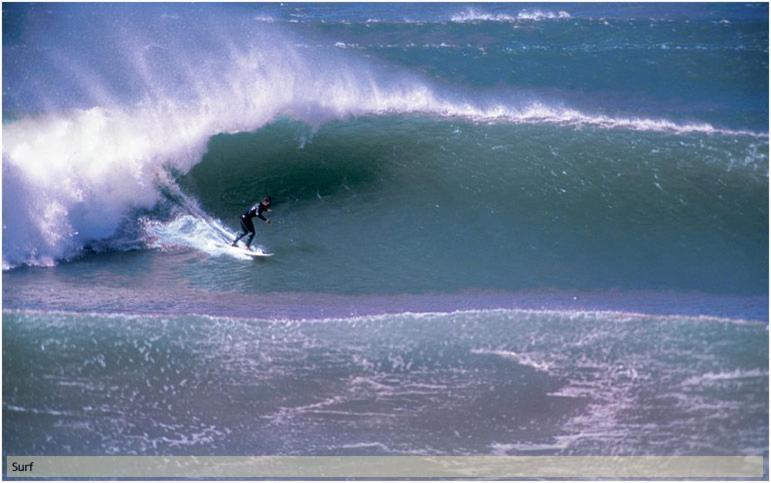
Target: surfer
point(247, 225)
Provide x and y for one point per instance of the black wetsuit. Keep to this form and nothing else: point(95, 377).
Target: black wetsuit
point(247, 225)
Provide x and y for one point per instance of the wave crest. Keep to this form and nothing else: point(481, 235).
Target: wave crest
point(471, 15)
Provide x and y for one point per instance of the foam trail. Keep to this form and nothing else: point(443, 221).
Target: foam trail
point(189, 206)
point(521, 359)
point(188, 231)
point(189, 227)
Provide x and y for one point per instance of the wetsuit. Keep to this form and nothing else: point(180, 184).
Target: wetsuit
point(247, 225)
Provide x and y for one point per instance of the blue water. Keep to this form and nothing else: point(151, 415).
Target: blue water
point(496, 229)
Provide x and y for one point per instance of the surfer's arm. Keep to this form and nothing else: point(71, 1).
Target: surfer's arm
point(260, 212)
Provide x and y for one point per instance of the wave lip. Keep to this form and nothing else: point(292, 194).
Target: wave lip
point(538, 112)
point(426, 102)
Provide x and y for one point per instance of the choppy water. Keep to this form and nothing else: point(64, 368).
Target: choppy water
point(473, 382)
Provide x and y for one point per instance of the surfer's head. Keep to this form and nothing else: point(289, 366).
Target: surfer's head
point(266, 200)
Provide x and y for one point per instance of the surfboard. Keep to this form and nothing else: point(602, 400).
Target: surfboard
point(257, 252)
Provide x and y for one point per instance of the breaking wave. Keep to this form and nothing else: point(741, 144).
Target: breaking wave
point(75, 174)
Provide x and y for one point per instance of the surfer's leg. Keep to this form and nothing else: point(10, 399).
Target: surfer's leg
point(245, 230)
point(248, 227)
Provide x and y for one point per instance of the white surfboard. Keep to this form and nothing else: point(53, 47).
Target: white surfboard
point(257, 252)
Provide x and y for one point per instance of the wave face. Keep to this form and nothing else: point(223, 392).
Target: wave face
point(420, 204)
point(494, 148)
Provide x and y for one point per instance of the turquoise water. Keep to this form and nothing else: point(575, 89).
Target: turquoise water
point(405, 205)
point(497, 229)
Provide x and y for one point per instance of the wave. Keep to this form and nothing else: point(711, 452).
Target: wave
point(540, 15)
point(74, 178)
point(471, 15)
point(77, 175)
point(623, 319)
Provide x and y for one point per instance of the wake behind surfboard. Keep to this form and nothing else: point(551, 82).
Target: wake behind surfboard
point(194, 228)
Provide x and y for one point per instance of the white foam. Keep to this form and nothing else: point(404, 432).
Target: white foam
point(522, 359)
point(471, 15)
point(193, 228)
point(362, 445)
point(711, 378)
point(187, 231)
point(503, 449)
point(541, 15)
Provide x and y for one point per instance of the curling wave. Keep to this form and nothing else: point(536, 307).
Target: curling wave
point(78, 174)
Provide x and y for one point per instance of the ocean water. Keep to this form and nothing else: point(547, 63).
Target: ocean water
point(497, 229)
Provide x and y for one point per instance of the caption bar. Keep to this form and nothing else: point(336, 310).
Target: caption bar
point(385, 466)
